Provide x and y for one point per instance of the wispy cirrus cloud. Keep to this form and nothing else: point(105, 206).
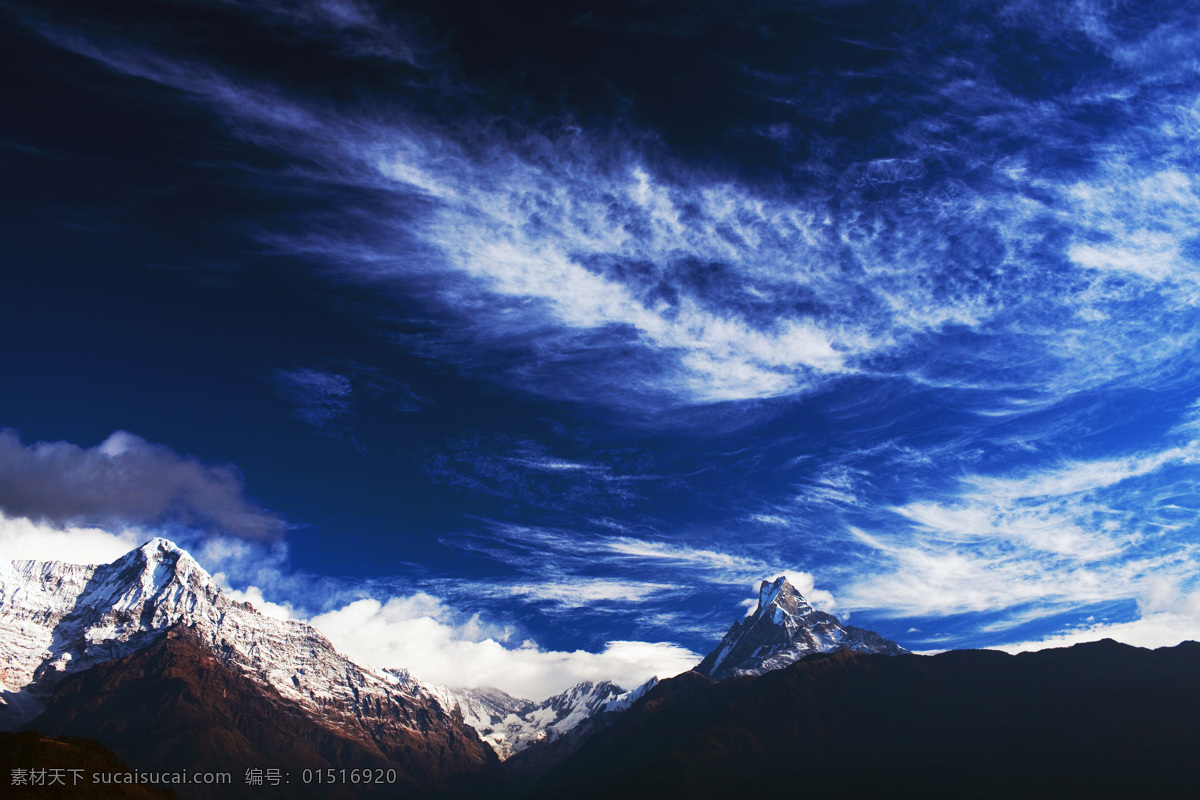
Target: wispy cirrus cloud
point(320, 398)
point(571, 568)
point(627, 278)
point(528, 472)
point(1036, 544)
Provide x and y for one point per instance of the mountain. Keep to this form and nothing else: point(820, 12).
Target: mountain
point(512, 725)
point(59, 621)
point(783, 629)
point(203, 714)
point(1094, 720)
point(581, 714)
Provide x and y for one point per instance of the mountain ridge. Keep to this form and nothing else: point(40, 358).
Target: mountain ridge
point(206, 716)
point(75, 625)
point(59, 619)
point(1097, 719)
point(512, 725)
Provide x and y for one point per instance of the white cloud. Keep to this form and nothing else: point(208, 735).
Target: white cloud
point(24, 539)
point(1144, 221)
point(555, 557)
point(254, 596)
point(1083, 476)
point(422, 634)
point(551, 232)
point(1167, 617)
point(483, 231)
point(583, 592)
point(1074, 534)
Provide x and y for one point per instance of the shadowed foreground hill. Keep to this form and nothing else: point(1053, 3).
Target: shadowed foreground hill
point(1100, 718)
point(29, 751)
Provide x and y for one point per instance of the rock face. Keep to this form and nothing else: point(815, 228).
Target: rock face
point(174, 706)
point(783, 629)
point(59, 620)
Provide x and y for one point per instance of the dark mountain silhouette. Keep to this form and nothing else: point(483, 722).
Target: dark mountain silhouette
point(1100, 719)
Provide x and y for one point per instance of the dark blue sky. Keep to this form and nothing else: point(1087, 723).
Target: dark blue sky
point(566, 323)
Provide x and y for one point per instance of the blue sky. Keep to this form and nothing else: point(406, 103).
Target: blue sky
point(529, 338)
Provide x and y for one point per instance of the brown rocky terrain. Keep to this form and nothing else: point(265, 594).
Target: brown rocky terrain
point(174, 706)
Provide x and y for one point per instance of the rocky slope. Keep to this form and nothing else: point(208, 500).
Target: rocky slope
point(783, 629)
point(175, 707)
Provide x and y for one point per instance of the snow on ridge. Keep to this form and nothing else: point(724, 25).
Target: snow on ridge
point(782, 630)
point(58, 618)
point(511, 724)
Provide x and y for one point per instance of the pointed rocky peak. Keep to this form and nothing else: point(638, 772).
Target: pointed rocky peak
point(783, 629)
point(118, 609)
point(159, 558)
point(159, 570)
point(780, 594)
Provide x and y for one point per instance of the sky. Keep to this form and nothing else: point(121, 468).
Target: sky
point(515, 343)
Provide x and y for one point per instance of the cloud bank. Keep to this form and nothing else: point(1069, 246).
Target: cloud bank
point(421, 633)
point(126, 481)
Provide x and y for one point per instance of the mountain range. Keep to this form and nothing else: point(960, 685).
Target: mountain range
point(148, 657)
point(85, 647)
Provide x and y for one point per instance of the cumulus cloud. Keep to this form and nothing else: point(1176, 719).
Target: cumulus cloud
point(126, 481)
point(421, 633)
point(22, 539)
point(254, 596)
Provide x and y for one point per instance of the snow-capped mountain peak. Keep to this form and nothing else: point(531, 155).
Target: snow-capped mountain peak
point(158, 574)
point(510, 724)
point(783, 629)
point(57, 619)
